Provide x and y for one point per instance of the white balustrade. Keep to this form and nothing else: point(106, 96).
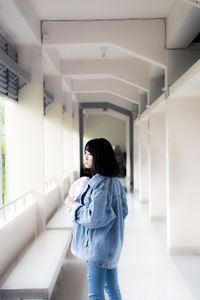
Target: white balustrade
point(13, 208)
point(50, 184)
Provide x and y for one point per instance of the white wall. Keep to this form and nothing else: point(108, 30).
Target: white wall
point(15, 236)
point(107, 127)
point(157, 178)
point(183, 148)
point(136, 155)
point(144, 161)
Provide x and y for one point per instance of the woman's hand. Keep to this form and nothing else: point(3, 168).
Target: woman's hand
point(69, 202)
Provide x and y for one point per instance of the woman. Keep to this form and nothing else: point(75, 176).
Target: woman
point(99, 218)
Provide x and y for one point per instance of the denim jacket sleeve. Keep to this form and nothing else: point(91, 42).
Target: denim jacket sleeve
point(124, 205)
point(97, 214)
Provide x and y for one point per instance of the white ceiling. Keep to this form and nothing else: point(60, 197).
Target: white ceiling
point(95, 60)
point(100, 9)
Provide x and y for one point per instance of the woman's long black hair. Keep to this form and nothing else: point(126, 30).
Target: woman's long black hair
point(104, 161)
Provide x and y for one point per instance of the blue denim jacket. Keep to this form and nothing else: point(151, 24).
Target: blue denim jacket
point(99, 230)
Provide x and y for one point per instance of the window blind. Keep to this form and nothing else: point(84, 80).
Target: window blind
point(9, 81)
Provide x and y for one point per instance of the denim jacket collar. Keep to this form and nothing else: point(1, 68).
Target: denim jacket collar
point(95, 180)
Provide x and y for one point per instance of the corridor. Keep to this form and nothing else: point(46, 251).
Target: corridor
point(146, 271)
point(127, 71)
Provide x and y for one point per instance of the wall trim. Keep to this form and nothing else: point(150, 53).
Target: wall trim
point(158, 218)
point(184, 250)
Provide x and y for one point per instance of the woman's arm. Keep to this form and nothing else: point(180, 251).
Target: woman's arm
point(97, 214)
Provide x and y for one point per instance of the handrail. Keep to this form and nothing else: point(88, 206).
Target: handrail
point(9, 210)
point(13, 201)
point(50, 184)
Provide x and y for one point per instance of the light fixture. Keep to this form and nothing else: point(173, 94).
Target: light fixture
point(195, 3)
point(103, 51)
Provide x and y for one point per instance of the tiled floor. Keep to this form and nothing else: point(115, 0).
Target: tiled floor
point(146, 271)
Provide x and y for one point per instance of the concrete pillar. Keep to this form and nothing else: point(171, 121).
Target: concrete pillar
point(68, 144)
point(75, 139)
point(136, 155)
point(157, 187)
point(143, 161)
point(53, 129)
point(24, 130)
point(183, 173)
point(25, 147)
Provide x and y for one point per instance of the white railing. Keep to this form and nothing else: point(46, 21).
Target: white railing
point(49, 185)
point(11, 209)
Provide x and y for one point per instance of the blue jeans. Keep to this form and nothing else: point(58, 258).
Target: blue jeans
point(100, 279)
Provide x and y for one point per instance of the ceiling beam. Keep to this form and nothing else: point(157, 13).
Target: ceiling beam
point(106, 106)
point(19, 19)
point(130, 71)
point(183, 23)
point(113, 86)
point(144, 39)
point(107, 97)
